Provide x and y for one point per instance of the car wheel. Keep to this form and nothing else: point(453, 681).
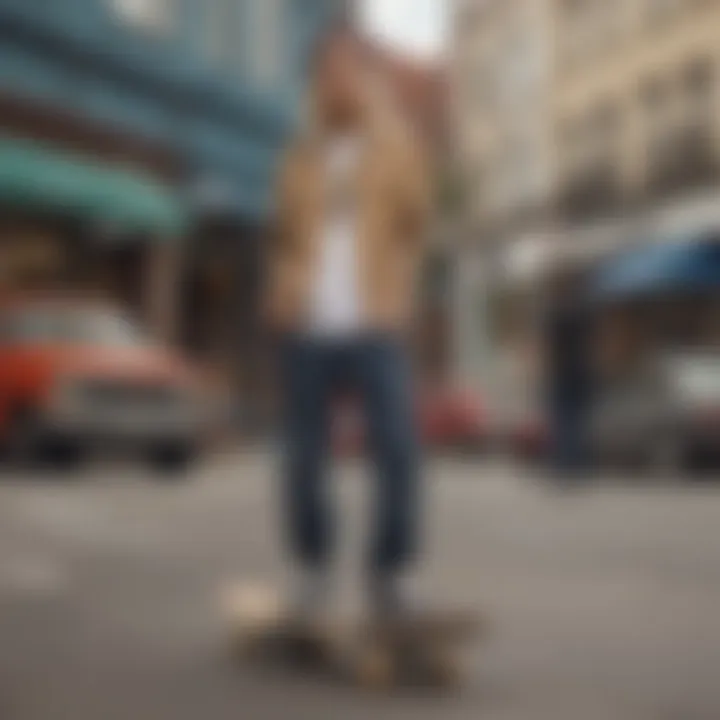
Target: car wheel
point(173, 460)
point(667, 456)
point(27, 442)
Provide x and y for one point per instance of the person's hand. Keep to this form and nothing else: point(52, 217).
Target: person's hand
point(272, 318)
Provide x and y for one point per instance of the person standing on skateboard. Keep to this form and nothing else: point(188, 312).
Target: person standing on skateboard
point(353, 200)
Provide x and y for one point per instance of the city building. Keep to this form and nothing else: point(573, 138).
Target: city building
point(138, 141)
point(501, 90)
point(634, 107)
point(637, 147)
point(612, 139)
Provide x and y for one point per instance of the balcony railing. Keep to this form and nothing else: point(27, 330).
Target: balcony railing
point(590, 193)
point(687, 160)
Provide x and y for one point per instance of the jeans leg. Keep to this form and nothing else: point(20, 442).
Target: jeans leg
point(305, 369)
point(385, 383)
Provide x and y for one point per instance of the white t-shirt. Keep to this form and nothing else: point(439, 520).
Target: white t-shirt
point(335, 304)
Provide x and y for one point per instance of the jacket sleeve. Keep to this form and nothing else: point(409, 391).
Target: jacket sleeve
point(418, 195)
point(276, 263)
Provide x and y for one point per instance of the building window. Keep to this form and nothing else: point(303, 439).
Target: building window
point(265, 41)
point(149, 14)
point(222, 29)
point(592, 140)
point(590, 28)
point(699, 86)
point(484, 87)
point(592, 182)
point(656, 98)
point(680, 121)
point(468, 19)
point(658, 10)
point(575, 9)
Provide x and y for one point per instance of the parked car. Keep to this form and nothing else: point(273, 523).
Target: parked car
point(663, 417)
point(449, 419)
point(76, 375)
point(666, 416)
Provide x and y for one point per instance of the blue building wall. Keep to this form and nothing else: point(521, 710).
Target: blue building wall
point(178, 86)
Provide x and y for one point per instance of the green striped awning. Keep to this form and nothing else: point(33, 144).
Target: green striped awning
point(34, 176)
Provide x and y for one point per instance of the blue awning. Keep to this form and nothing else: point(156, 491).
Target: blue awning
point(676, 266)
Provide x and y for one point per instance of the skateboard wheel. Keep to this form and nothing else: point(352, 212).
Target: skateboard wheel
point(375, 668)
point(243, 644)
point(447, 675)
point(444, 670)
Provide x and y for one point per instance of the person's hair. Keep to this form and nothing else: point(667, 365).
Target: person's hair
point(342, 28)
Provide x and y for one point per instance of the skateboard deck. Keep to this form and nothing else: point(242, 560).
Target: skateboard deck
point(423, 649)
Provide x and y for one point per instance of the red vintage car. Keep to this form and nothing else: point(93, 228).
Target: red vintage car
point(449, 419)
point(76, 373)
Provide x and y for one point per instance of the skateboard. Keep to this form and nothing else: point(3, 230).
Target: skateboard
point(422, 649)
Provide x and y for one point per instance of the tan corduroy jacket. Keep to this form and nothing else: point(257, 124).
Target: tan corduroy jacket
point(393, 205)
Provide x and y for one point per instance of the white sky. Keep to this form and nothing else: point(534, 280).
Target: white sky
point(415, 26)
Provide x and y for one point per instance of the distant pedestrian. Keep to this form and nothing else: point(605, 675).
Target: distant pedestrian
point(568, 374)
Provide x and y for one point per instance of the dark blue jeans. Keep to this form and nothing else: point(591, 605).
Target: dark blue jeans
point(313, 372)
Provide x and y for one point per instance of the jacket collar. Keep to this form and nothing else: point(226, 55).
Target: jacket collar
point(379, 118)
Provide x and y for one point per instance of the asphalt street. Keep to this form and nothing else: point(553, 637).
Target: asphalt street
point(604, 602)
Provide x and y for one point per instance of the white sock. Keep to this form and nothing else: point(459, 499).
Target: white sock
point(309, 592)
point(394, 593)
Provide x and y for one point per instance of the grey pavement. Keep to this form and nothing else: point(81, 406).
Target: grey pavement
point(604, 603)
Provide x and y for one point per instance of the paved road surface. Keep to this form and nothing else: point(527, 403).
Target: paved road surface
point(606, 603)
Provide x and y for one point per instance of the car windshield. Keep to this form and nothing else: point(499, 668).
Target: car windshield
point(76, 326)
